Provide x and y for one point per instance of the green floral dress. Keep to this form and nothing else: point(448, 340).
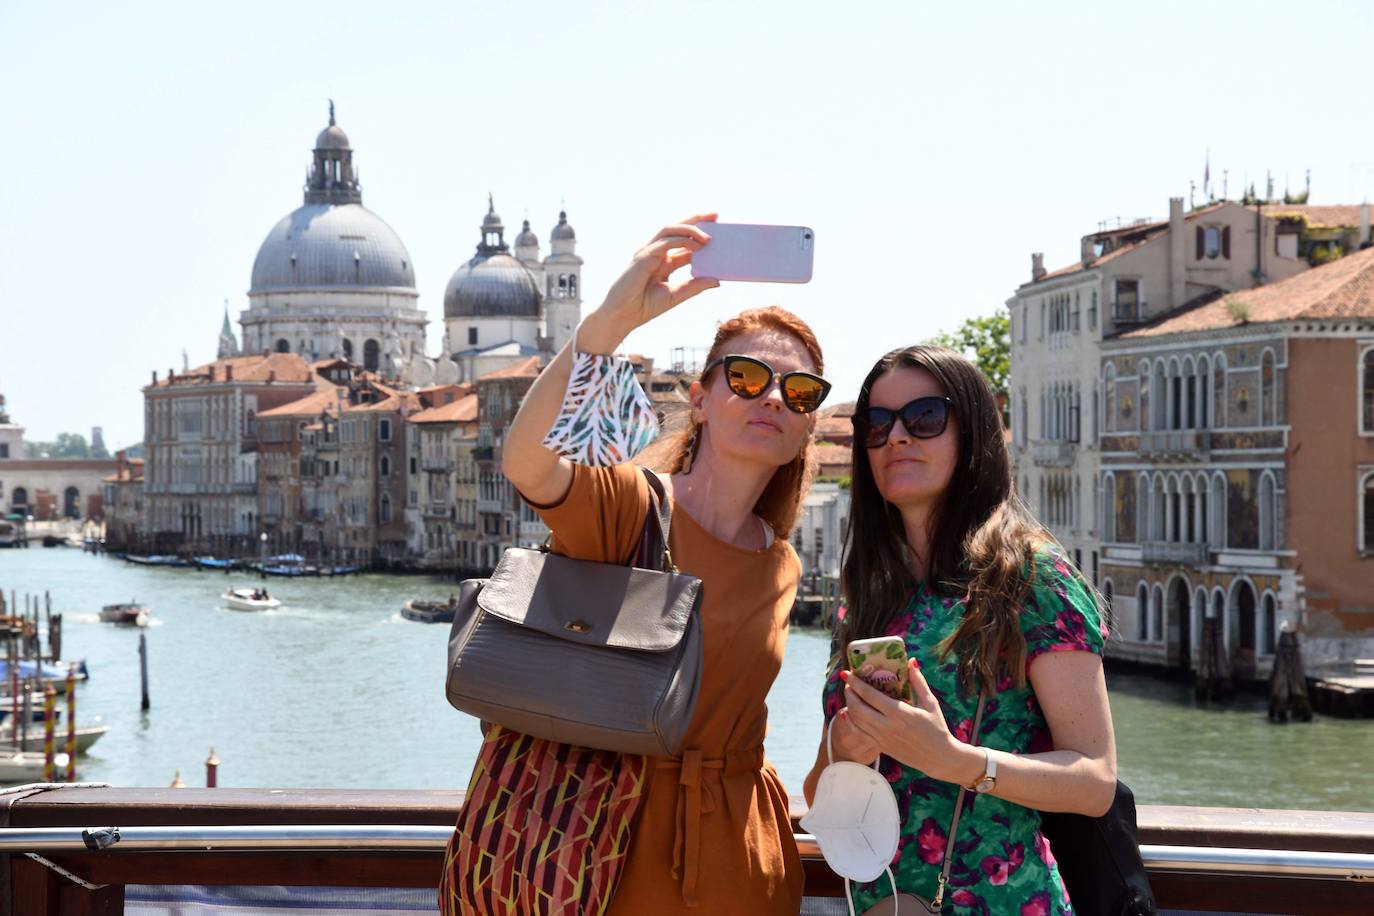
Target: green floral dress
point(1002, 864)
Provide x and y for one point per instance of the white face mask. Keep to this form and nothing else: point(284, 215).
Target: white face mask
point(855, 820)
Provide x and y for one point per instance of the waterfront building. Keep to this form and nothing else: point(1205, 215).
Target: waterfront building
point(48, 488)
point(445, 435)
point(201, 448)
point(1237, 458)
point(282, 436)
point(503, 518)
point(372, 456)
point(123, 503)
point(1127, 276)
point(332, 279)
point(501, 306)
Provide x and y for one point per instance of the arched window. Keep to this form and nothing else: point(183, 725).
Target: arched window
point(283, 345)
point(1109, 399)
point(1270, 636)
point(1366, 500)
point(1245, 615)
point(1268, 415)
point(572, 286)
point(348, 349)
point(1109, 529)
point(1219, 391)
point(1204, 377)
point(386, 507)
point(385, 466)
point(1367, 392)
point(562, 286)
point(19, 498)
point(1216, 499)
point(372, 355)
point(1157, 613)
point(1267, 539)
point(1142, 613)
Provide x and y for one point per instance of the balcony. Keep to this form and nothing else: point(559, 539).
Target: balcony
point(1053, 453)
point(1178, 444)
point(1169, 552)
point(441, 465)
point(1128, 312)
point(491, 506)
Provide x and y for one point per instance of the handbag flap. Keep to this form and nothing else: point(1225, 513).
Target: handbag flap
point(596, 604)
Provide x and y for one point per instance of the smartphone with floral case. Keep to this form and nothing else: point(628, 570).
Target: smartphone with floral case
point(881, 662)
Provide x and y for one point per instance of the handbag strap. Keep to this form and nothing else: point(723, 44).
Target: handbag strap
point(958, 811)
point(660, 508)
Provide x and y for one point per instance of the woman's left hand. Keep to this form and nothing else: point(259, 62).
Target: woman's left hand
point(917, 736)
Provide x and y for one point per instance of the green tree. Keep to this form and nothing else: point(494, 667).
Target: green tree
point(68, 445)
point(986, 341)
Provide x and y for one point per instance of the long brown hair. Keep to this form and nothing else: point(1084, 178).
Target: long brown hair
point(983, 541)
point(781, 500)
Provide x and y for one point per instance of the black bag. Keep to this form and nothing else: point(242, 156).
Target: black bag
point(1099, 859)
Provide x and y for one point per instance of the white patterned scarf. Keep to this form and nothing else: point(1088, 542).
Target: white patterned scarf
point(606, 418)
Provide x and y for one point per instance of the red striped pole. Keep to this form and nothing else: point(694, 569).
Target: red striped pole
point(49, 712)
point(71, 725)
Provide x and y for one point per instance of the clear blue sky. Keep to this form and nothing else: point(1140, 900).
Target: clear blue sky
point(148, 147)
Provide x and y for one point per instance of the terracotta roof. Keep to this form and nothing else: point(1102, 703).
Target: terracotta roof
point(324, 400)
point(528, 368)
point(829, 454)
point(1341, 289)
point(834, 428)
point(1317, 215)
point(843, 409)
point(435, 395)
point(133, 472)
point(281, 367)
point(393, 401)
point(463, 410)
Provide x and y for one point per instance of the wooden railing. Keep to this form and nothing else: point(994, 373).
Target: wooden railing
point(386, 838)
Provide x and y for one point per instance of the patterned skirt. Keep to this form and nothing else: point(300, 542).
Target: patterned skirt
point(545, 829)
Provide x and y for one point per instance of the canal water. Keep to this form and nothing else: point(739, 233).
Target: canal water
point(336, 689)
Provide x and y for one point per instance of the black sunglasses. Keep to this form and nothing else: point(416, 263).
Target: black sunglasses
point(749, 378)
point(924, 418)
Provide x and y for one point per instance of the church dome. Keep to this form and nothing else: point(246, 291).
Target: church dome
point(323, 245)
point(563, 232)
point(526, 238)
point(332, 137)
point(492, 286)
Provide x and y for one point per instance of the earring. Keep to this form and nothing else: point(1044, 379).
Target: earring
point(689, 457)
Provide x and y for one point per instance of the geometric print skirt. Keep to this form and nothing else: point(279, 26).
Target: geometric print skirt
point(545, 829)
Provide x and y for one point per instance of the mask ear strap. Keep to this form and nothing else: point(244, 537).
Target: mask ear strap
point(829, 727)
point(849, 898)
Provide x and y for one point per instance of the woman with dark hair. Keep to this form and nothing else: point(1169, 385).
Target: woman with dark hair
point(944, 554)
point(710, 830)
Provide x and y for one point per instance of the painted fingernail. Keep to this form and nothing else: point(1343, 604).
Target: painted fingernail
point(844, 676)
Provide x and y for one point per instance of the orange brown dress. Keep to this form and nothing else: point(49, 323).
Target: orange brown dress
point(713, 834)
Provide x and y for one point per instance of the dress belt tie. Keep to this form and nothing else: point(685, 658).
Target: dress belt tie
point(695, 799)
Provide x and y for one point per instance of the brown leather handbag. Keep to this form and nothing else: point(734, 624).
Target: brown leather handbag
point(591, 654)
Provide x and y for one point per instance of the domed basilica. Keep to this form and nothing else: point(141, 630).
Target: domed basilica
point(332, 279)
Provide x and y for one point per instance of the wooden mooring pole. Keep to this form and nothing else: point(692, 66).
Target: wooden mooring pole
point(71, 725)
point(143, 669)
point(1288, 681)
point(1214, 668)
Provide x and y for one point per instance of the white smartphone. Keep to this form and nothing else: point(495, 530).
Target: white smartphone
point(740, 251)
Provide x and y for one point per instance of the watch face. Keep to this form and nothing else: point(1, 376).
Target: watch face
point(985, 784)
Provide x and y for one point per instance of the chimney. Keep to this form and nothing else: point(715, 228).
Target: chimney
point(1364, 225)
point(1037, 265)
point(1178, 246)
point(1087, 250)
point(154, 376)
point(271, 376)
point(120, 464)
point(212, 372)
point(228, 372)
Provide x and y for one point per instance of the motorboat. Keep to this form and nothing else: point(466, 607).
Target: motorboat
point(130, 614)
point(429, 611)
point(18, 767)
point(250, 599)
point(86, 736)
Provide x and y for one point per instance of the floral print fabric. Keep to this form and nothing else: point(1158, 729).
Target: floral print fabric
point(606, 418)
point(1002, 864)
